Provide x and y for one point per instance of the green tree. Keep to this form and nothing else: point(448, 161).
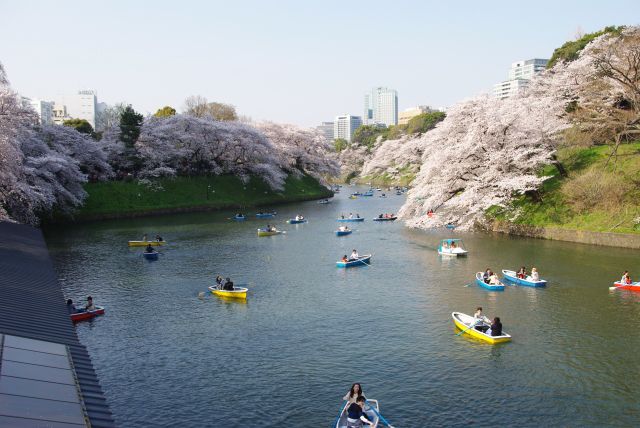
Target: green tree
point(424, 122)
point(366, 135)
point(130, 124)
point(571, 50)
point(80, 125)
point(165, 111)
point(340, 144)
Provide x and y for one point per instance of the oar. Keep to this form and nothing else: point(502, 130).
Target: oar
point(339, 414)
point(467, 329)
point(613, 288)
point(379, 415)
point(362, 261)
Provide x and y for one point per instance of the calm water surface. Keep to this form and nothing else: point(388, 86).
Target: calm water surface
point(308, 330)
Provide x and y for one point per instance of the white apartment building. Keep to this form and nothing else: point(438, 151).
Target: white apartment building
point(520, 73)
point(381, 106)
point(406, 115)
point(344, 126)
point(326, 129)
point(82, 105)
point(44, 109)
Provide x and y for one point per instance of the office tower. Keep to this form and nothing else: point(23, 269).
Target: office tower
point(381, 107)
point(344, 126)
point(519, 75)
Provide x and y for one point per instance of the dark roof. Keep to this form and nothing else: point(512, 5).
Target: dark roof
point(32, 306)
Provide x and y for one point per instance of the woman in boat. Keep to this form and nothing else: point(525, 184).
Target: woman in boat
point(535, 276)
point(626, 279)
point(350, 215)
point(453, 244)
point(445, 245)
point(354, 393)
point(159, 238)
point(496, 327)
point(344, 259)
point(522, 273)
point(356, 415)
point(480, 320)
point(486, 275)
point(71, 307)
point(493, 279)
point(90, 306)
point(144, 237)
point(228, 285)
point(354, 255)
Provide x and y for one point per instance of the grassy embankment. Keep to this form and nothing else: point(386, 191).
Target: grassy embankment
point(594, 196)
point(125, 199)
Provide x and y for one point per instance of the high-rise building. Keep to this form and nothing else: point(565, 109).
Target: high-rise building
point(406, 115)
point(381, 106)
point(344, 126)
point(326, 129)
point(520, 73)
point(82, 105)
point(44, 109)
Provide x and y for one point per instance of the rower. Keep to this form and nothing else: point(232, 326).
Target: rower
point(149, 249)
point(228, 285)
point(480, 320)
point(354, 255)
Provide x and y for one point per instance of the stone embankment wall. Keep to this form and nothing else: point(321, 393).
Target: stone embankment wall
point(624, 240)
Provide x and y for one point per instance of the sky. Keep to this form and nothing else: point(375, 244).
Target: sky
point(298, 62)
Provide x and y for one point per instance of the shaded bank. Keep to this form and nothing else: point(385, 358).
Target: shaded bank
point(125, 199)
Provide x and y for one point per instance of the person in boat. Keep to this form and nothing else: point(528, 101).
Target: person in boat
point(228, 285)
point(159, 238)
point(219, 282)
point(481, 322)
point(71, 307)
point(144, 238)
point(357, 215)
point(453, 244)
point(493, 279)
point(342, 216)
point(535, 276)
point(626, 278)
point(356, 416)
point(344, 259)
point(354, 255)
point(149, 249)
point(445, 245)
point(90, 306)
point(522, 273)
point(353, 394)
point(496, 327)
point(381, 216)
point(350, 215)
point(486, 275)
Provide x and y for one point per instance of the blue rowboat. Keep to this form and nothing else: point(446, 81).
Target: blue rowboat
point(361, 261)
point(481, 283)
point(384, 218)
point(356, 194)
point(371, 411)
point(369, 193)
point(450, 226)
point(509, 275)
point(266, 215)
point(294, 221)
point(151, 256)
point(239, 218)
point(343, 232)
point(351, 219)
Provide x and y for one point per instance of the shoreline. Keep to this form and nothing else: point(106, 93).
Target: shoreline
point(607, 239)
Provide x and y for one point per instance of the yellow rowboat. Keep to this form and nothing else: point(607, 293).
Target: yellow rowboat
point(262, 232)
point(145, 243)
point(237, 292)
point(464, 321)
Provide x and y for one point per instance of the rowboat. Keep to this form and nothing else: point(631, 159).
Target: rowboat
point(87, 315)
point(360, 261)
point(356, 194)
point(511, 276)
point(151, 256)
point(266, 215)
point(294, 221)
point(326, 201)
point(368, 193)
point(450, 226)
point(452, 247)
point(399, 193)
point(353, 197)
point(239, 217)
point(237, 292)
point(343, 232)
point(481, 283)
point(385, 218)
point(145, 243)
point(464, 321)
point(368, 411)
point(634, 286)
point(351, 219)
point(265, 232)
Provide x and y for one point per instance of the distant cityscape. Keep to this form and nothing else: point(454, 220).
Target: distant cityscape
point(380, 104)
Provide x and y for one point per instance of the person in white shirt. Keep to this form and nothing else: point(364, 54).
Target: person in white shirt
point(534, 275)
point(480, 321)
point(354, 255)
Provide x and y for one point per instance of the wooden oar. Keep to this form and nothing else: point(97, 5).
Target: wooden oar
point(467, 329)
point(362, 261)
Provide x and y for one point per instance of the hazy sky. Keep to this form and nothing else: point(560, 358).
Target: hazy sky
point(297, 61)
